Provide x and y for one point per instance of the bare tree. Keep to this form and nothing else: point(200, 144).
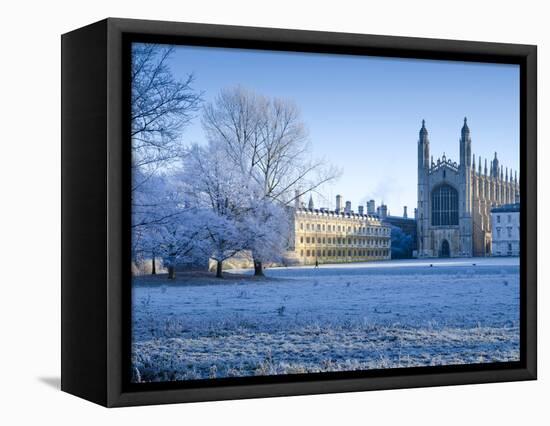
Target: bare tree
point(161, 106)
point(267, 139)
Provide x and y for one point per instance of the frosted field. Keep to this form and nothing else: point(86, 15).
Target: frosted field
point(334, 318)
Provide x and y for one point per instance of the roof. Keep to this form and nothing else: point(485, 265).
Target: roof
point(340, 213)
point(506, 208)
point(410, 220)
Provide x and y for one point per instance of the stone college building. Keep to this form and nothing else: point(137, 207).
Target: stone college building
point(321, 235)
point(455, 200)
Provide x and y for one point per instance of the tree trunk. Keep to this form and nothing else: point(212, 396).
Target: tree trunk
point(258, 270)
point(171, 272)
point(219, 269)
point(153, 267)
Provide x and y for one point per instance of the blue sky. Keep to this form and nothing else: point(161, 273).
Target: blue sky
point(364, 113)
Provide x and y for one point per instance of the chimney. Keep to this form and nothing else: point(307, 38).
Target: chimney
point(338, 203)
point(382, 211)
point(405, 212)
point(348, 207)
point(370, 207)
point(360, 208)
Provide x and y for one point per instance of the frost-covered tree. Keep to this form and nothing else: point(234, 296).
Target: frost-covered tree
point(267, 140)
point(221, 194)
point(177, 241)
point(267, 227)
point(174, 235)
point(161, 107)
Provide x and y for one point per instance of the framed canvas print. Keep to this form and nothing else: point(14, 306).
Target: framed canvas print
point(253, 212)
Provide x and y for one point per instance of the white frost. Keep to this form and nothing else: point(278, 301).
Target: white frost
point(345, 317)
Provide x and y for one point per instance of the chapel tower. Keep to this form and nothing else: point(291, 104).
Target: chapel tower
point(455, 199)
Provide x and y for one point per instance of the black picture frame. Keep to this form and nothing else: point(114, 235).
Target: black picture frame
point(95, 211)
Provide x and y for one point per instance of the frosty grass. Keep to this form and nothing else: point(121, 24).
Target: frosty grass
point(334, 318)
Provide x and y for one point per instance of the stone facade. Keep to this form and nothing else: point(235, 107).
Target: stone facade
point(455, 200)
point(505, 230)
point(337, 236)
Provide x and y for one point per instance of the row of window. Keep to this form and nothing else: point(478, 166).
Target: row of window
point(509, 251)
point(340, 228)
point(509, 233)
point(339, 240)
point(348, 253)
point(509, 216)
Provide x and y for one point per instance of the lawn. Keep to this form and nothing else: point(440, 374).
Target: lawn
point(332, 318)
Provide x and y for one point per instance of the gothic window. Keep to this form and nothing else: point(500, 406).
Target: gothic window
point(444, 206)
